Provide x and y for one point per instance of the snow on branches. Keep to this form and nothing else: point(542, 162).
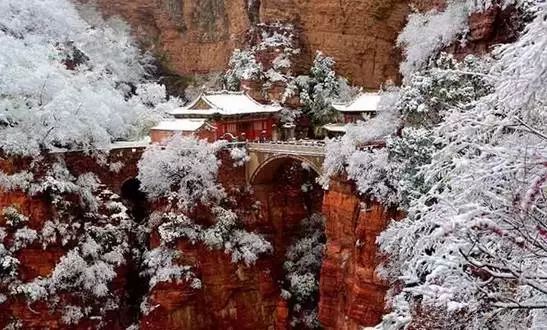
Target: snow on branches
point(426, 34)
point(184, 169)
point(67, 79)
point(245, 64)
point(321, 88)
point(468, 164)
point(184, 174)
point(473, 246)
point(95, 232)
point(302, 266)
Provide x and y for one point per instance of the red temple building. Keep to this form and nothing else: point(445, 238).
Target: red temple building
point(221, 115)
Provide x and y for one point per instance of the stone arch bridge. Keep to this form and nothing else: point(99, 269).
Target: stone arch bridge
point(266, 157)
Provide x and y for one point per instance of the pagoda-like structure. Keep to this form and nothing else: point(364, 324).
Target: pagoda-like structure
point(221, 115)
point(361, 108)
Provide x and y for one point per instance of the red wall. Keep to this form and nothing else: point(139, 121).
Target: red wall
point(246, 127)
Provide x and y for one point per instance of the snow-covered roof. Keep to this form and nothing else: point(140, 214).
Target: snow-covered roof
point(336, 128)
point(225, 103)
point(365, 102)
point(131, 144)
point(181, 125)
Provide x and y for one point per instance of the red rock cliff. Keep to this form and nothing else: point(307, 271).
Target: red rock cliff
point(351, 293)
point(198, 36)
point(359, 34)
point(195, 36)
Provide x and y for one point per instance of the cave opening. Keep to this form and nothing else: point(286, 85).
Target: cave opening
point(136, 287)
point(135, 199)
point(292, 200)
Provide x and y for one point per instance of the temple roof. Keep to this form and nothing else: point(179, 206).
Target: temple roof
point(364, 102)
point(181, 125)
point(224, 103)
point(335, 128)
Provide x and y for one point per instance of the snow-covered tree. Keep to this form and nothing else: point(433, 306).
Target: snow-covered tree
point(185, 169)
point(426, 34)
point(321, 89)
point(89, 222)
point(303, 264)
point(239, 156)
point(67, 79)
point(274, 37)
point(184, 174)
point(473, 246)
point(243, 66)
point(469, 168)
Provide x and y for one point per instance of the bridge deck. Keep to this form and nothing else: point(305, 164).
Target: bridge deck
point(300, 148)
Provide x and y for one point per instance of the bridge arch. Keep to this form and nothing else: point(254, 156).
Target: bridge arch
point(267, 169)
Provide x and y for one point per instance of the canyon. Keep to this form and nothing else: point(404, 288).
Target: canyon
point(233, 295)
point(193, 39)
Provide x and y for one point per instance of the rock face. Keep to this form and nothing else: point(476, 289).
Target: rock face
point(351, 294)
point(486, 29)
point(359, 34)
point(198, 36)
point(189, 36)
point(232, 296)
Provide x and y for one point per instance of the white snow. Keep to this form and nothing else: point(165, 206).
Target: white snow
point(364, 102)
point(336, 128)
point(182, 125)
point(227, 104)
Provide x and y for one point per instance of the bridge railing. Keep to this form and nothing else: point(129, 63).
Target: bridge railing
point(298, 147)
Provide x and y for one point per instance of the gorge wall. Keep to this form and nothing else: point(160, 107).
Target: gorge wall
point(198, 36)
point(233, 295)
point(352, 295)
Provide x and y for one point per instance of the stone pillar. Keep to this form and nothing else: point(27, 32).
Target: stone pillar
point(352, 295)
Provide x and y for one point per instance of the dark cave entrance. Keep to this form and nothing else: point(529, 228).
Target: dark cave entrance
point(135, 199)
point(139, 209)
point(292, 200)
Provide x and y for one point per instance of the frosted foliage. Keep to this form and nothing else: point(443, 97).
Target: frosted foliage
point(186, 167)
point(339, 151)
point(372, 173)
point(74, 272)
point(441, 86)
point(227, 234)
point(15, 181)
point(72, 315)
point(243, 64)
point(95, 234)
point(427, 33)
point(246, 246)
point(176, 226)
point(289, 116)
point(23, 237)
point(159, 265)
point(302, 265)
point(472, 250)
point(239, 156)
point(151, 94)
point(521, 86)
point(13, 217)
point(66, 82)
point(321, 89)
